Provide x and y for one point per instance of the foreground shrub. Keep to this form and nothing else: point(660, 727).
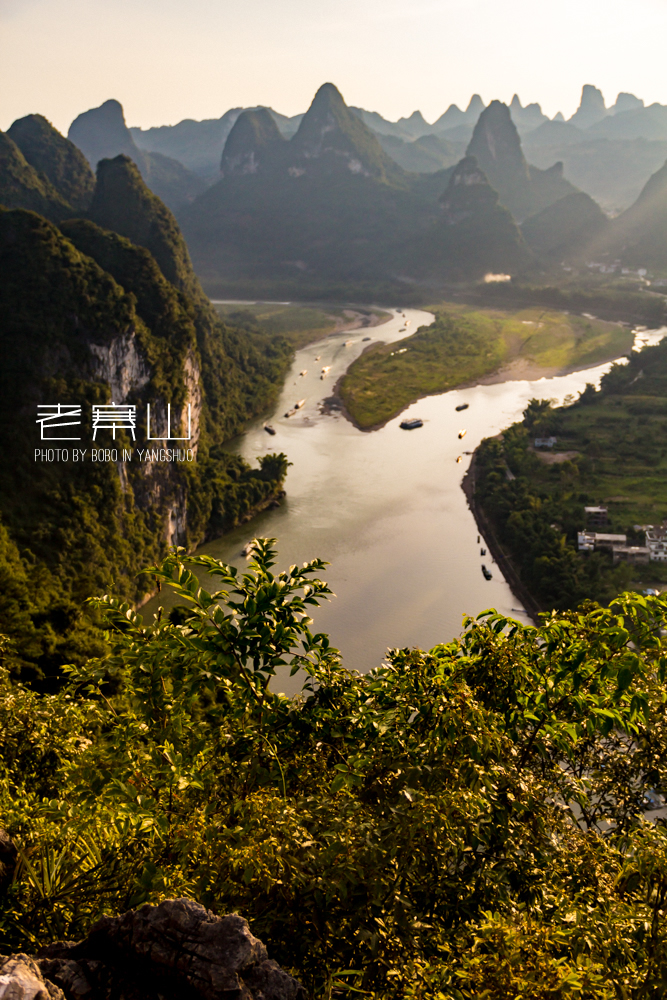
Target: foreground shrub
point(467, 822)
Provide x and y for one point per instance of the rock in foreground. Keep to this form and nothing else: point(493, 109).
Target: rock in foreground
point(175, 950)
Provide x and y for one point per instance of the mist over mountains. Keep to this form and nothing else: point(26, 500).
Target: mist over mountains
point(608, 152)
point(339, 197)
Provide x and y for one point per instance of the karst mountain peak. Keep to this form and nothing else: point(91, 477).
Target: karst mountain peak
point(251, 142)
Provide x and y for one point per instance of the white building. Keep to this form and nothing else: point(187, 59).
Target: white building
point(656, 543)
point(588, 541)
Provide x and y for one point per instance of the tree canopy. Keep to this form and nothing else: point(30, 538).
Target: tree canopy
point(465, 822)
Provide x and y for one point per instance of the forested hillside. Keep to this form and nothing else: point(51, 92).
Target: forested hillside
point(609, 451)
point(98, 315)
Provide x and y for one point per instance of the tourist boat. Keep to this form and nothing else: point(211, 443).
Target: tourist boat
point(248, 548)
point(411, 425)
point(462, 434)
point(482, 552)
point(487, 574)
point(290, 413)
point(347, 343)
point(318, 357)
point(297, 406)
point(304, 372)
point(326, 369)
point(269, 429)
point(367, 338)
point(462, 406)
point(459, 459)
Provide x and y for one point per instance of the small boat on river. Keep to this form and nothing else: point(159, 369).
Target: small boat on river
point(462, 406)
point(297, 406)
point(304, 372)
point(462, 434)
point(487, 575)
point(248, 548)
point(269, 429)
point(411, 425)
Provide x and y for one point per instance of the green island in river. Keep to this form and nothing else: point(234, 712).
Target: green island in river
point(465, 344)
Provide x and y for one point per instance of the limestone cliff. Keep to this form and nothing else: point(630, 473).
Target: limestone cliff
point(94, 341)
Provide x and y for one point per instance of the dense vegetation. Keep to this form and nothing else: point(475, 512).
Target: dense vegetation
point(64, 165)
point(614, 451)
point(464, 344)
point(82, 527)
point(456, 824)
point(299, 324)
point(609, 298)
point(21, 186)
point(118, 281)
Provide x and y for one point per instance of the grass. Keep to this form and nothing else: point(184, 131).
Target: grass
point(465, 344)
point(614, 445)
point(623, 460)
point(300, 324)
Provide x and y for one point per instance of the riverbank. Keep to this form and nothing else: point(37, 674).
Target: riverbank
point(501, 556)
point(607, 452)
point(467, 347)
point(301, 323)
point(385, 510)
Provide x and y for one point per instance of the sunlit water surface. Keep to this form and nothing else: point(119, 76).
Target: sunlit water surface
point(385, 508)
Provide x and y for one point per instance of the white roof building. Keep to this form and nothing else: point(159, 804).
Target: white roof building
point(587, 541)
point(656, 543)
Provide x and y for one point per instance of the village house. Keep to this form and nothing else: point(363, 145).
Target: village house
point(634, 554)
point(596, 517)
point(588, 541)
point(656, 542)
point(545, 442)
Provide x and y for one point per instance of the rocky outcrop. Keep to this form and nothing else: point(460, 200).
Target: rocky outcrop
point(172, 951)
point(21, 979)
point(591, 107)
point(121, 365)
point(523, 189)
point(253, 138)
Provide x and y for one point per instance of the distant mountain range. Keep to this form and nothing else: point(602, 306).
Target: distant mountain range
point(331, 204)
point(607, 152)
point(102, 133)
point(327, 199)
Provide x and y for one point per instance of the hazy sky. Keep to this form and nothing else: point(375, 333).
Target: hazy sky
point(166, 59)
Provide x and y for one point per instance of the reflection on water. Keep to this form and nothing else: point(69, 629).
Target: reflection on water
point(386, 508)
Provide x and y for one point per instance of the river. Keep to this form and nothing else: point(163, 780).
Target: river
point(385, 508)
